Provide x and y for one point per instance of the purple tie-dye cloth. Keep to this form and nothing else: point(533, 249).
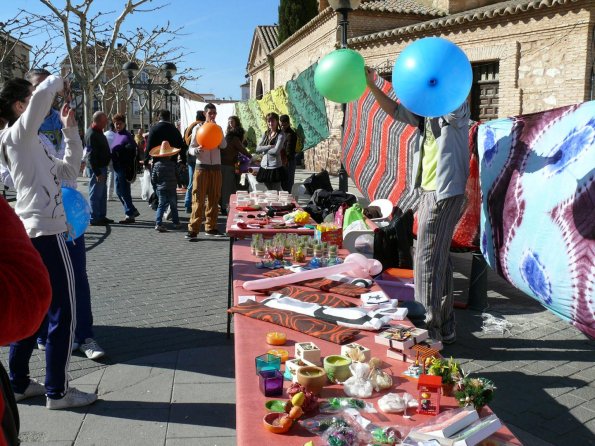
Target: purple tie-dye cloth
point(537, 175)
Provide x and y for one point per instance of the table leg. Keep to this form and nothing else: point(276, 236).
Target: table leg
point(230, 285)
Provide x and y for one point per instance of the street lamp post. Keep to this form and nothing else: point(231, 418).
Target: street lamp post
point(168, 69)
point(343, 7)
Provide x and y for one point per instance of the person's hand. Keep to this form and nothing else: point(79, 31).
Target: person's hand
point(67, 116)
point(370, 74)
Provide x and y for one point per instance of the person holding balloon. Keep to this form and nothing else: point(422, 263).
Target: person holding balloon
point(272, 172)
point(37, 176)
point(206, 139)
point(435, 101)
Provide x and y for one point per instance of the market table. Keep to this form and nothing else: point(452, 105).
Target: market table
point(236, 233)
point(250, 341)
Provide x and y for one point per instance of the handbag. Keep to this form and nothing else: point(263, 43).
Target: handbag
point(145, 185)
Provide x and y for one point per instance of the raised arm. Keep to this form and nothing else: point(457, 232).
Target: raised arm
point(390, 106)
point(27, 126)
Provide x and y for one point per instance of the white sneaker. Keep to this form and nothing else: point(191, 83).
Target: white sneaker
point(91, 349)
point(41, 347)
point(33, 389)
point(72, 398)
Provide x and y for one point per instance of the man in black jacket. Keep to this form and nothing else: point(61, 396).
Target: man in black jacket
point(98, 159)
point(164, 130)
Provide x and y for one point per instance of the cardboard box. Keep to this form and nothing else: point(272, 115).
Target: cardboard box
point(401, 337)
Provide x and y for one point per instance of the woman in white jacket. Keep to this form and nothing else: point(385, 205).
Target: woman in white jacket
point(37, 177)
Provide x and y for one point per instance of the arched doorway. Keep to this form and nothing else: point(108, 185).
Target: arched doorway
point(259, 89)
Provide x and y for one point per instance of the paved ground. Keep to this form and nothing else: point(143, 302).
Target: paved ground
point(159, 306)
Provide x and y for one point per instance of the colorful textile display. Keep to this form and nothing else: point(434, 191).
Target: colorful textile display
point(275, 101)
point(378, 151)
point(537, 218)
point(308, 109)
point(252, 120)
point(298, 322)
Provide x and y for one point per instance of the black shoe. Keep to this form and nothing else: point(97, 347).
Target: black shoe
point(107, 221)
point(214, 233)
point(127, 221)
point(160, 228)
point(136, 213)
point(97, 223)
point(192, 236)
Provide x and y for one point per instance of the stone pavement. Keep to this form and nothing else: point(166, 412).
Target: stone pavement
point(159, 307)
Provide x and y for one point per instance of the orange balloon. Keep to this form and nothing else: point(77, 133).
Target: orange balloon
point(209, 136)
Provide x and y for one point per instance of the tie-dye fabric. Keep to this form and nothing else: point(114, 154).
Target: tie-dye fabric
point(537, 175)
point(308, 109)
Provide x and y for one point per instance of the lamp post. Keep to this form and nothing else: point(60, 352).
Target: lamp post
point(343, 7)
point(168, 69)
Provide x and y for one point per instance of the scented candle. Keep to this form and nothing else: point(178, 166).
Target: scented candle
point(276, 338)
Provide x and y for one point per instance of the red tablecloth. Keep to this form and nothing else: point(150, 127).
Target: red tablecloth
point(233, 231)
point(250, 341)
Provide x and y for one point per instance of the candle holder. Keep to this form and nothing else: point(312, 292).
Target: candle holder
point(270, 382)
point(267, 362)
point(276, 338)
point(308, 351)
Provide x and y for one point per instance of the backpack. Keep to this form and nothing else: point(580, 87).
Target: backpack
point(320, 180)
point(392, 243)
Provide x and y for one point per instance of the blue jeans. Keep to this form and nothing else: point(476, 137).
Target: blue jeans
point(188, 197)
point(97, 195)
point(123, 192)
point(167, 197)
point(84, 316)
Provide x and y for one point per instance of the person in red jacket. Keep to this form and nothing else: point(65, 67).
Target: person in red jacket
point(24, 302)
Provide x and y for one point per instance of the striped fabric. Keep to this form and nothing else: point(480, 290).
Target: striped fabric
point(377, 151)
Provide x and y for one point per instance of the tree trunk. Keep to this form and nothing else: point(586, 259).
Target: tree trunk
point(88, 104)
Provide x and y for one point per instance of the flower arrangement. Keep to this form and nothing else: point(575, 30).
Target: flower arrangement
point(449, 369)
point(474, 391)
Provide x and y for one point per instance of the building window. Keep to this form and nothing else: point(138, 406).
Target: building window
point(484, 91)
point(259, 89)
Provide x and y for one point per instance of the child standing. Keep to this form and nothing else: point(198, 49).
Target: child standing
point(163, 177)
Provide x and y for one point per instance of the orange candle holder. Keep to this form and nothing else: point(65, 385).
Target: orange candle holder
point(282, 354)
point(276, 338)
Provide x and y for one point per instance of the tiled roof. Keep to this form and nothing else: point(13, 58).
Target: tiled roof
point(402, 6)
point(511, 7)
point(269, 35)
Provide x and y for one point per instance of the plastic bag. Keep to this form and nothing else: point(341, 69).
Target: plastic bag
point(145, 184)
point(354, 213)
point(359, 384)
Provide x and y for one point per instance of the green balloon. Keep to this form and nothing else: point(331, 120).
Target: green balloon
point(340, 76)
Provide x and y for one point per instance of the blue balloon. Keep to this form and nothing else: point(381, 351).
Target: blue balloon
point(432, 77)
point(77, 210)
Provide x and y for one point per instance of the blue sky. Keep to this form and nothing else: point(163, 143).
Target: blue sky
point(218, 33)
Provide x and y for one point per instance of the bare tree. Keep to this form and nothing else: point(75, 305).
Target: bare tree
point(16, 56)
point(90, 42)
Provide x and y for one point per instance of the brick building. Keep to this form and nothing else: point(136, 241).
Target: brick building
point(527, 55)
